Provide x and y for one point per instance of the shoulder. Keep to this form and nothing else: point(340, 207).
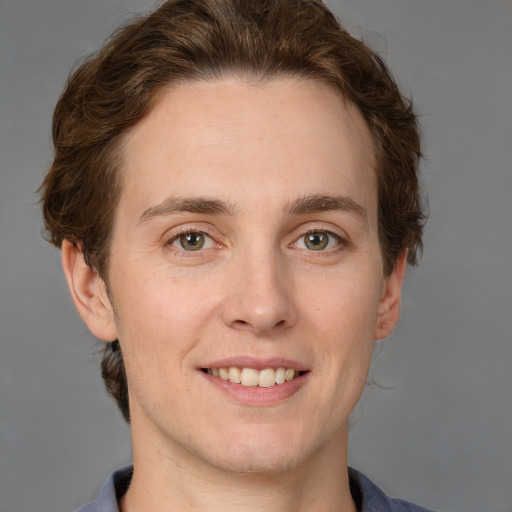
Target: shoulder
point(370, 498)
point(113, 489)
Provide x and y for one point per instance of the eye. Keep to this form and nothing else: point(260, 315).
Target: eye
point(318, 241)
point(192, 241)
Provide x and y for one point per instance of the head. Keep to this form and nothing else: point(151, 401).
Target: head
point(196, 42)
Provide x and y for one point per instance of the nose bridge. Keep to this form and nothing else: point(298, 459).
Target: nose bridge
point(259, 297)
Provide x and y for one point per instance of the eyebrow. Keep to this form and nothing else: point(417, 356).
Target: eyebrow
point(306, 204)
point(322, 203)
point(174, 205)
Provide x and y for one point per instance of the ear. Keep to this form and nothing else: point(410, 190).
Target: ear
point(89, 293)
point(388, 312)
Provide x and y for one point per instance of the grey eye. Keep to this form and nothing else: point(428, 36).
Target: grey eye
point(316, 241)
point(191, 241)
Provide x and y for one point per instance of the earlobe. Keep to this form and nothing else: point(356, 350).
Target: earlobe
point(89, 293)
point(388, 312)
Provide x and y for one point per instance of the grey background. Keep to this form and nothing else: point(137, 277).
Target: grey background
point(438, 428)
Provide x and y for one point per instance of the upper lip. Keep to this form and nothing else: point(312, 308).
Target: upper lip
point(256, 363)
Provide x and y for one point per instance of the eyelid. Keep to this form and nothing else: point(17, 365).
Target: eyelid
point(184, 229)
point(173, 234)
point(343, 240)
point(208, 241)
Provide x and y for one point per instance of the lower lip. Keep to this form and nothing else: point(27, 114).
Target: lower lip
point(256, 396)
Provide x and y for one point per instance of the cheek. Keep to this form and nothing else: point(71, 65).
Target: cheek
point(342, 317)
point(159, 317)
point(157, 326)
point(346, 302)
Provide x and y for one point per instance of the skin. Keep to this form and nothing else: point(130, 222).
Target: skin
point(255, 289)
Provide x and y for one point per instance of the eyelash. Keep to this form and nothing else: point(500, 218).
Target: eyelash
point(341, 242)
point(180, 251)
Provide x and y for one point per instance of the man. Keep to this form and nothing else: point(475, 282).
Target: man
point(236, 198)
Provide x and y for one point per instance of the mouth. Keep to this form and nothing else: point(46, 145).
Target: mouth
point(252, 377)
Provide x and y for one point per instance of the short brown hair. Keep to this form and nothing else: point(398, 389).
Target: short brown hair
point(190, 40)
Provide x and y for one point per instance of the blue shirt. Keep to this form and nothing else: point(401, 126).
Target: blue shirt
point(366, 495)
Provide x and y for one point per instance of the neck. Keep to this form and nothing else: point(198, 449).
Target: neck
point(180, 482)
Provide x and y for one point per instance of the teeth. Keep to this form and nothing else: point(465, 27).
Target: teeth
point(267, 378)
point(251, 377)
point(289, 375)
point(234, 375)
point(280, 376)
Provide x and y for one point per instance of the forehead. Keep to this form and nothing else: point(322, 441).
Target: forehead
point(231, 139)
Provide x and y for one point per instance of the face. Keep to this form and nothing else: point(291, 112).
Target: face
point(246, 238)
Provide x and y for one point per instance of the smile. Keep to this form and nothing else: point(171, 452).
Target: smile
point(251, 377)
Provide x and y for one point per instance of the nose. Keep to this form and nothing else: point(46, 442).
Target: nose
point(259, 296)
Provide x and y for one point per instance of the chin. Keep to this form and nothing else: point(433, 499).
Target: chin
point(264, 456)
point(262, 464)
